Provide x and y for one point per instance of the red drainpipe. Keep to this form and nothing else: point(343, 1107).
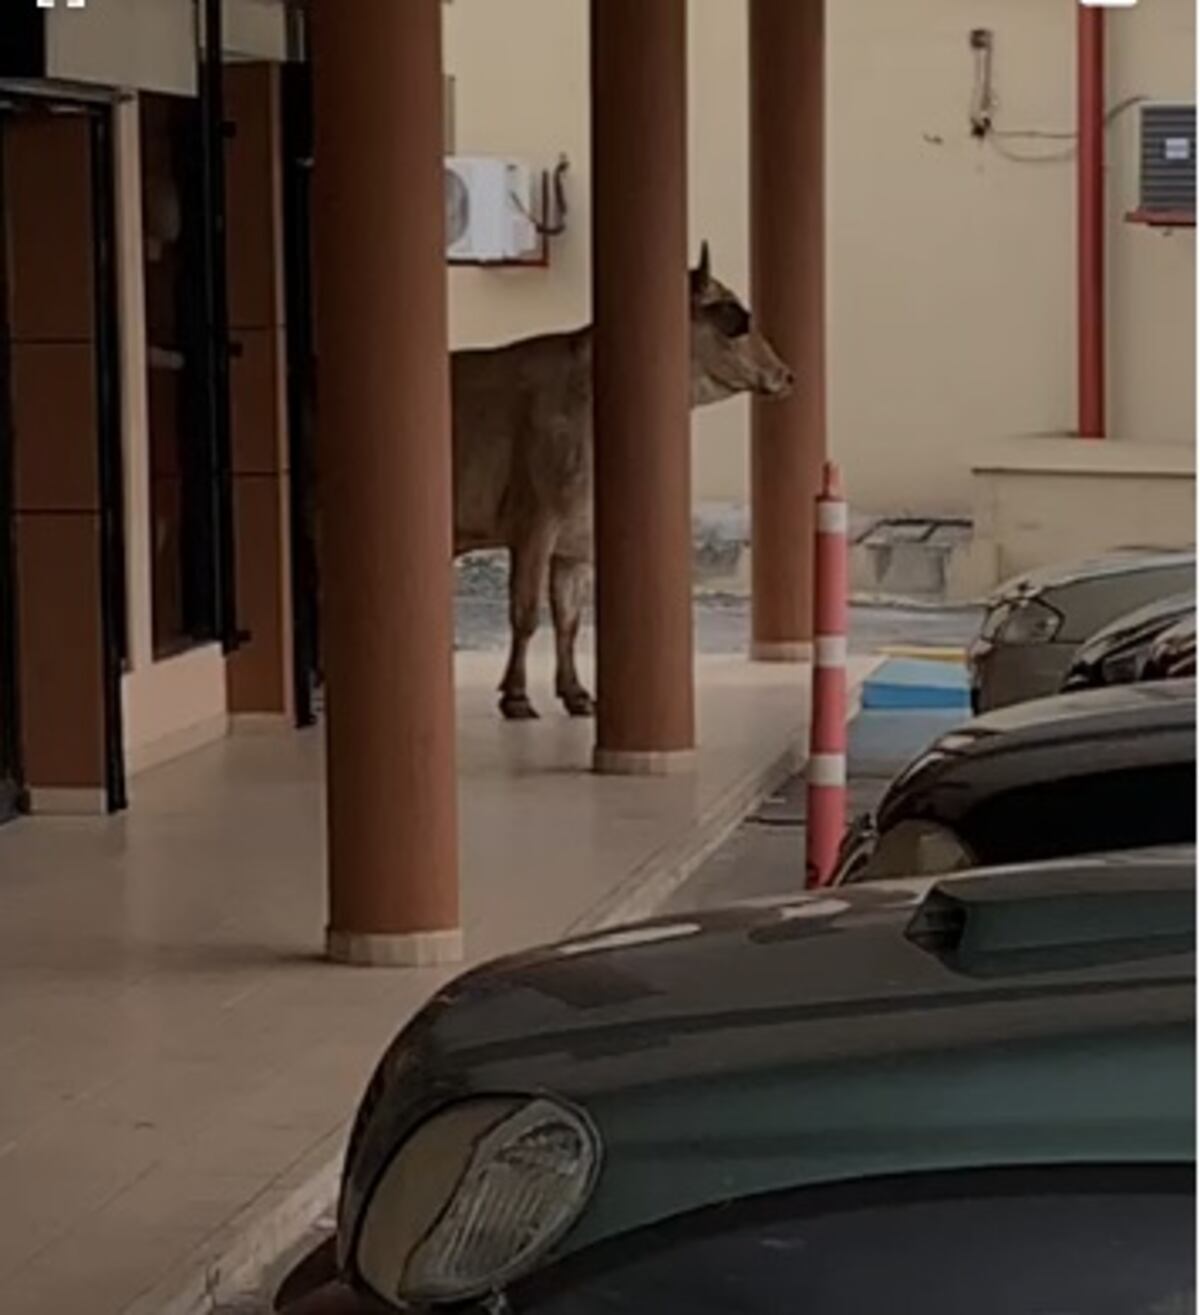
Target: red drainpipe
point(1090, 79)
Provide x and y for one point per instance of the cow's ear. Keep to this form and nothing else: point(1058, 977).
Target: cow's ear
point(700, 275)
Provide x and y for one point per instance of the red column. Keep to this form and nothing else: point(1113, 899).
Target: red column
point(385, 492)
point(787, 223)
point(645, 714)
point(1090, 188)
point(826, 810)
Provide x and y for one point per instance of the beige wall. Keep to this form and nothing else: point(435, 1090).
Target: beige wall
point(149, 44)
point(1039, 501)
point(952, 294)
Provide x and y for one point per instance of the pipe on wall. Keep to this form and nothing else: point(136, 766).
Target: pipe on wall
point(1090, 218)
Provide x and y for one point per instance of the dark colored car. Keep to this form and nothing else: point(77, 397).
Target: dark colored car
point(1034, 624)
point(974, 1094)
point(1117, 654)
point(1172, 655)
point(1103, 769)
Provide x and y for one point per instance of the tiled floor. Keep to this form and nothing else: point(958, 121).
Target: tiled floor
point(173, 1047)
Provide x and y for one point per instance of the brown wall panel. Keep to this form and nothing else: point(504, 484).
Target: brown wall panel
point(49, 256)
point(253, 196)
point(54, 416)
point(257, 401)
point(259, 672)
point(60, 670)
point(49, 214)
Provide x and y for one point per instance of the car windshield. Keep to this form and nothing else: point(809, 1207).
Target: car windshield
point(1058, 1242)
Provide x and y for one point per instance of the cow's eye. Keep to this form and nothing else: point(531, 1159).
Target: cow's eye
point(731, 319)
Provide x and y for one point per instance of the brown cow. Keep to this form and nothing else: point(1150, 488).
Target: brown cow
point(523, 463)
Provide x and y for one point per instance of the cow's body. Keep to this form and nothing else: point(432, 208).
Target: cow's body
point(522, 438)
point(523, 464)
point(523, 481)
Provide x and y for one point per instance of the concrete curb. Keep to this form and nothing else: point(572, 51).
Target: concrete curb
point(651, 885)
point(229, 1267)
point(231, 1262)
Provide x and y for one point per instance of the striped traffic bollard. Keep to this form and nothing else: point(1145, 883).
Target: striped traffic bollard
point(826, 776)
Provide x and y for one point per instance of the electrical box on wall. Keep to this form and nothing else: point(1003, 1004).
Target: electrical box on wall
point(489, 211)
point(1168, 163)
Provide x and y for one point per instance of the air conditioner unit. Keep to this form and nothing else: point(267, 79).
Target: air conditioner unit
point(489, 210)
point(1168, 160)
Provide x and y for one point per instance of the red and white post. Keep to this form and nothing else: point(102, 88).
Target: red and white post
point(827, 748)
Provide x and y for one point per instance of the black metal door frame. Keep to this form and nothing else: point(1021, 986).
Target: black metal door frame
point(297, 148)
point(12, 786)
point(113, 600)
point(214, 131)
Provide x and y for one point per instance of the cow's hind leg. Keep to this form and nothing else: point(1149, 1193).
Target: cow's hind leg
point(526, 578)
point(568, 592)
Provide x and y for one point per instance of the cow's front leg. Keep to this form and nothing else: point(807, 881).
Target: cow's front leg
point(526, 578)
point(568, 592)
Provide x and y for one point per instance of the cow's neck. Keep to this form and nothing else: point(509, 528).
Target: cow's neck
point(706, 391)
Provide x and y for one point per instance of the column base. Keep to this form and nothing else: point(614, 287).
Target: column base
point(418, 949)
point(643, 762)
point(55, 801)
point(800, 650)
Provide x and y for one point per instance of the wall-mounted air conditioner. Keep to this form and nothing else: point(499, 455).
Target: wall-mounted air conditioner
point(489, 210)
point(1168, 163)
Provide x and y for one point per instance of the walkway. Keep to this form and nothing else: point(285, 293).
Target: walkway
point(178, 1061)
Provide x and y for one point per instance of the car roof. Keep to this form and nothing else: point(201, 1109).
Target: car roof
point(1121, 561)
point(1037, 1014)
point(1162, 612)
point(1055, 738)
point(1170, 702)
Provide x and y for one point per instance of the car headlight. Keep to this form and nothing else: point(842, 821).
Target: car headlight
point(994, 621)
point(1031, 622)
point(474, 1198)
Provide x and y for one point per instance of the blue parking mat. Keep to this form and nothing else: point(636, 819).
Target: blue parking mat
point(908, 683)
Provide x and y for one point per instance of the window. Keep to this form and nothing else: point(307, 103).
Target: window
point(1128, 809)
point(1008, 1242)
point(182, 510)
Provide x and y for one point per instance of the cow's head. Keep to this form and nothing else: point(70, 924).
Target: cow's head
point(729, 355)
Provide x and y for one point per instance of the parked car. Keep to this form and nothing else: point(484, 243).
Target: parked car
point(1033, 625)
point(1117, 654)
point(926, 1095)
point(1173, 653)
point(1111, 768)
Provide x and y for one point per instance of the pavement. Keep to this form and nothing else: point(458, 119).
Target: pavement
point(762, 857)
point(180, 1062)
point(906, 704)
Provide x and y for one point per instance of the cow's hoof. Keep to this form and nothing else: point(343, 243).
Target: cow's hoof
point(516, 707)
point(579, 703)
